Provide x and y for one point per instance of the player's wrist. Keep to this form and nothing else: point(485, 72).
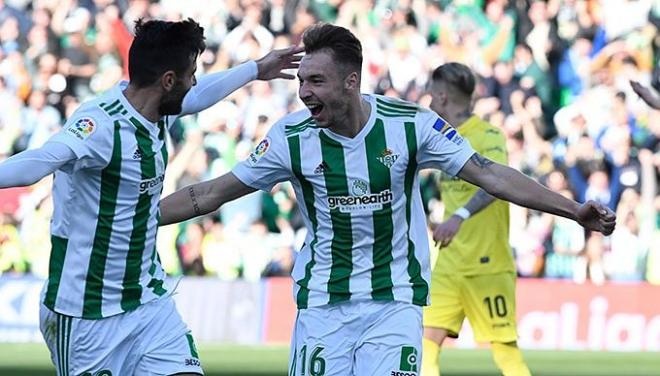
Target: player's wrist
point(462, 213)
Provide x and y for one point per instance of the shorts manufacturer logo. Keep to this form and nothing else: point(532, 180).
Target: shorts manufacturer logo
point(259, 151)
point(388, 158)
point(360, 199)
point(82, 128)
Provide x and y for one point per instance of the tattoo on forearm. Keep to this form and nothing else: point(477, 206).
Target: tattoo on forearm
point(481, 161)
point(193, 198)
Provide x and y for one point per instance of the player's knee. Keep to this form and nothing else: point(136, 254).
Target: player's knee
point(509, 360)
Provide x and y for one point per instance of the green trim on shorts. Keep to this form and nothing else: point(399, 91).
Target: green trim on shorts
point(64, 324)
point(191, 344)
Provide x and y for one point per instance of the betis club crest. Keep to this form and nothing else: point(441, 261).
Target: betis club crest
point(388, 158)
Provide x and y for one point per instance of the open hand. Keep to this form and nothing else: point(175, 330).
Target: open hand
point(272, 65)
point(444, 233)
point(596, 217)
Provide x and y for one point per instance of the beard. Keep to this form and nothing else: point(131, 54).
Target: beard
point(172, 102)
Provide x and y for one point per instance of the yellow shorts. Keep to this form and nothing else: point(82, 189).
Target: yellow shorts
point(488, 301)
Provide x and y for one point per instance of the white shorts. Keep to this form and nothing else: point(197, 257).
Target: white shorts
point(357, 338)
point(150, 340)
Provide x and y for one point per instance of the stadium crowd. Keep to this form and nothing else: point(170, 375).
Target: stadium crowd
point(554, 75)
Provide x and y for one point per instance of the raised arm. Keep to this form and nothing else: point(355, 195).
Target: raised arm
point(212, 88)
point(511, 185)
point(647, 95)
point(201, 198)
point(30, 166)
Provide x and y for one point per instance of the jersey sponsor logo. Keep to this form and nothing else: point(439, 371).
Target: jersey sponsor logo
point(448, 131)
point(153, 185)
point(259, 151)
point(388, 158)
point(359, 187)
point(361, 200)
point(82, 128)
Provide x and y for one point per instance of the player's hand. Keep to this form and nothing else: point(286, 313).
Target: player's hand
point(596, 217)
point(444, 233)
point(646, 94)
point(272, 65)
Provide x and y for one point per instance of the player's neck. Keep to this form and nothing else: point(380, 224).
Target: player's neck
point(144, 101)
point(457, 116)
point(356, 118)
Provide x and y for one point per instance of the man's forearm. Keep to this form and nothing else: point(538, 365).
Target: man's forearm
point(515, 187)
point(479, 202)
point(186, 203)
point(201, 198)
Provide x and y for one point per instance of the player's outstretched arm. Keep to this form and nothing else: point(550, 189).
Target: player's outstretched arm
point(30, 166)
point(201, 198)
point(508, 184)
point(652, 99)
point(212, 88)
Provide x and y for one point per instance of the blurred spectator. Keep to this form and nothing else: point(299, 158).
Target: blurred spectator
point(554, 75)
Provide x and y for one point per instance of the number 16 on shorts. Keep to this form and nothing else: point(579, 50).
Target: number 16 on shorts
point(310, 364)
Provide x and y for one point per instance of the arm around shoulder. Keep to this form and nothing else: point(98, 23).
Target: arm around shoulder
point(201, 198)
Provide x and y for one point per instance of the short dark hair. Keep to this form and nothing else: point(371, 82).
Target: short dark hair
point(456, 75)
point(160, 46)
point(344, 46)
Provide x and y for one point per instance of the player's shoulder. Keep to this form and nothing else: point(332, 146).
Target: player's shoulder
point(295, 123)
point(390, 107)
point(90, 120)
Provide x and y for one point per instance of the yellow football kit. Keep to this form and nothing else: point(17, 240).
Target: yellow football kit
point(474, 276)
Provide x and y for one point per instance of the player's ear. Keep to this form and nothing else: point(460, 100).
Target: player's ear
point(352, 81)
point(168, 80)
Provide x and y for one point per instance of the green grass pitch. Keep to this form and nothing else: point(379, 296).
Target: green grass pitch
point(225, 360)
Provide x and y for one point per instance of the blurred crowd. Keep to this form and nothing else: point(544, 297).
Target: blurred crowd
point(554, 75)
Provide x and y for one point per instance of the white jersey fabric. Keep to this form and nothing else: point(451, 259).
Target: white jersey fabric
point(103, 232)
point(360, 198)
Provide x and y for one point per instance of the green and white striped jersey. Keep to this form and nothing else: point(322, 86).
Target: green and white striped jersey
point(103, 259)
point(360, 199)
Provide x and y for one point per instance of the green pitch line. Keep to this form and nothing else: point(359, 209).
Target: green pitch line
point(225, 360)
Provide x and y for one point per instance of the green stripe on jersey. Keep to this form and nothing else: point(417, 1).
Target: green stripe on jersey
point(419, 285)
point(385, 113)
point(291, 130)
point(131, 289)
point(308, 196)
point(109, 107)
point(55, 267)
point(110, 177)
point(396, 105)
point(342, 232)
point(379, 181)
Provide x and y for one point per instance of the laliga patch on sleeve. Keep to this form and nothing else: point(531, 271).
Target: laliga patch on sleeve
point(259, 151)
point(448, 131)
point(82, 128)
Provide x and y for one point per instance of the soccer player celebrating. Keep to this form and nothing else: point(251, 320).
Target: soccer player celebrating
point(363, 274)
point(474, 274)
point(107, 309)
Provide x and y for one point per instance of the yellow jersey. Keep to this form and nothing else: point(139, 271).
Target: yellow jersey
point(481, 246)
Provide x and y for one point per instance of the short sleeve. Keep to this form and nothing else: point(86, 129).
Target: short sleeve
point(90, 136)
point(440, 146)
point(268, 164)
